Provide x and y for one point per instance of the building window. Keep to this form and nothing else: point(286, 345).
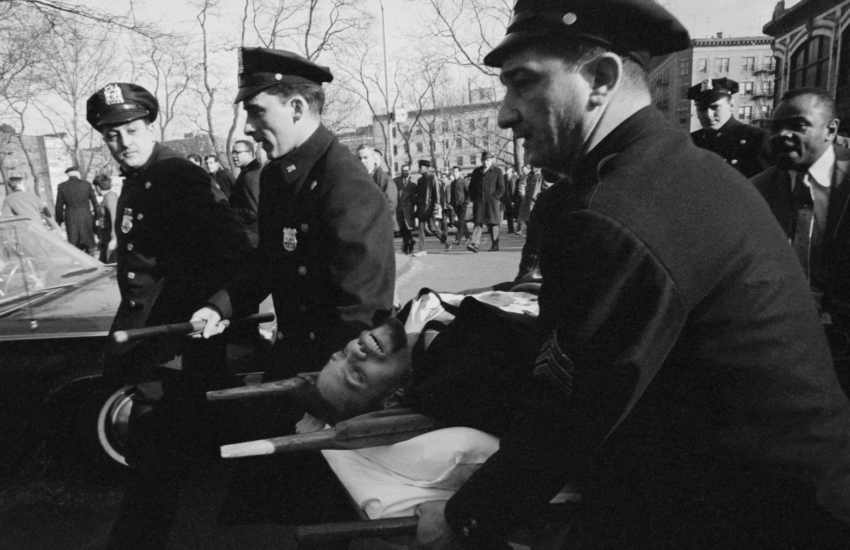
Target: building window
point(472, 159)
point(745, 114)
point(767, 88)
point(473, 141)
point(419, 147)
point(665, 77)
point(683, 92)
point(810, 64)
point(460, 161)
point(684, 114)
point(395, 134)
point(747, 88)
point(446, 144)
point(721, 65)
point(419, 130)
point(748, 64)
point(685, 67)
point(395, 165)
point(483, 122)
point(702, 64)
point(842, 91)
point(471, 124)
point(458, 142)
point(445, 126)
point(395, 149)
point(486, 143)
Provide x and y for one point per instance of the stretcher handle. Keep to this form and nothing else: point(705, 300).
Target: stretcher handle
point(121, 336)
point(278, 387)
point(326, 532)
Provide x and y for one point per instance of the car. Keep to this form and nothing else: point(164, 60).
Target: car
point(56, 307)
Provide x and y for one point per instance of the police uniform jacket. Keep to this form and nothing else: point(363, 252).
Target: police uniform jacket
point(775, 186)
point(325, 252)
point(406, 206)
point(486, 189)
point(743, 146)
point(533, 187)
point(388, 187)
point(76, 206)
point(682, 330)
point(178, 242)
point(427, 196)
point(245, 198)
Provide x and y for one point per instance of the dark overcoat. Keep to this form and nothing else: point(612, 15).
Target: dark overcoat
point(427, 196)
point(325, 253)
point(486, 189)
point(744, 147)
point(178, 242)
point(681, 355)
point(76, 207)
point(245, 198)
point(388, 187)
point(406, 205)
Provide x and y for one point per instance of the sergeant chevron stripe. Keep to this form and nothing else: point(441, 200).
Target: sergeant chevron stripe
point(553, 364)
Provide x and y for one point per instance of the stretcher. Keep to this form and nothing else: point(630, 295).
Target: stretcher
point(370, 455)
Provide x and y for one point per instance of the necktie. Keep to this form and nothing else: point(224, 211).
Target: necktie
point(805, 216)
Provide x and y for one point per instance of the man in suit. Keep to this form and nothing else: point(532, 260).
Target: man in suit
point(406, 209)
point(486, 187)
point(809, 193)
point(427, 199)
point(177, 242)
point(371, 159)
point(682, 375)
point(459, 201)
point(77, 208)
point(508, 204)
point(20, 202)
point(742, 146)
point(245, 195)
point(223, 178)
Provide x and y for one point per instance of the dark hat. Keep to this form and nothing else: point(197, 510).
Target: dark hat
point(486, 155)
point(74, 168)
point(15, 178)
point(120, 102)
point(636, 28)
point(425, 162)
point(260, 68)
point(709, 91)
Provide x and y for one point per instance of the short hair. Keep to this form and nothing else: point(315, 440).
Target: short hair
point(366, 147)
point(193, 156)
point(823, 99)
point(103, 182)
point(578, 51)
point(456, 168)
point(312, 93)
point(246, 143)
point(208, 157)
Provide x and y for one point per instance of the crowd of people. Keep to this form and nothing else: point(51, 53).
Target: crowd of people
point(686, 366)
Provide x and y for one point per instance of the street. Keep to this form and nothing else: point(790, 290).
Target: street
point(51, 506)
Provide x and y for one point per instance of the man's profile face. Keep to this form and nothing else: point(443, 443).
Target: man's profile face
point(526, 169)
point(271, 122)
point(131, 143)
point(368, 369)
point(241, 155)
point(800, 132)
point(715, 114)
point(423, 169)
point(211, 164)
point(367, 158)
point(545, 104)
point(455, 173)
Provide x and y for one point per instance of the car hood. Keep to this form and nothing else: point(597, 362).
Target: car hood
point(84, 308)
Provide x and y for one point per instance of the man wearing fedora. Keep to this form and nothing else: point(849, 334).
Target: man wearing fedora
point(744, 147)
point(177, 242)
point(77, 208)
point(683, 380)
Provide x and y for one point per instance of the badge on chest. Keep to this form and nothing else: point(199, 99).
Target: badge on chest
point(289, 239)
point(127, 221)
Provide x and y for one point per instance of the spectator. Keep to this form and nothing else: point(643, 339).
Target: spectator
point(196, 159)
point(20, 202)
point(77, 208)
point(486, 188)
point(223, 178)
point(406, 209)
point(245, 194)
point(107, 239)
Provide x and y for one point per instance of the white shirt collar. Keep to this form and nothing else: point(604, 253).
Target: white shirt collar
point(823, 168)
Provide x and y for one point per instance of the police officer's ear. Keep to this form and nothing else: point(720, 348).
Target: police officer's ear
point(832, 130)
point(607, 75)
point(297, 108)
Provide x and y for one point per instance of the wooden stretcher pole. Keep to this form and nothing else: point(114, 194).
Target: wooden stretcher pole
point(279, 387)
point(122, 336)
point(368, 430)
point(326, 532)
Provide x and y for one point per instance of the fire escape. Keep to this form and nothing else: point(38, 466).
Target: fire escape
point(763, 91)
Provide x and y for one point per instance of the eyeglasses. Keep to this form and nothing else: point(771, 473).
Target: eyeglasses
point(235, 152)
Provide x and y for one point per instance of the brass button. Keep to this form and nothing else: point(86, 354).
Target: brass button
point(131, 303)
point(734, 161)
point(129, 246)
point(302, 270)
point(140, 216)
point(312, 336)
point(305, 228)
point(148, 185)
point(131, 275)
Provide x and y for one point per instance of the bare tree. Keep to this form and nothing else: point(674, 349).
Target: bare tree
point(56, 14)
point(168, 67)
point(209, 77)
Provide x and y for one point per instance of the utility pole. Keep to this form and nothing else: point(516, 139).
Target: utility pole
point(390, 152)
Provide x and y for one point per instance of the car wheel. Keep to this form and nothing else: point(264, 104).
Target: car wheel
point(112, 424)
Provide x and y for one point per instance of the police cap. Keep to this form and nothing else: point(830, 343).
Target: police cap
point(261, 68)
point(120, 102)
point(635, 28)
point(70, 169)
point(709, 91)
point(425, 162)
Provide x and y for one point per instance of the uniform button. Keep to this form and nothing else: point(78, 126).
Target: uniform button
point(312, 336)
point(302, 270)
point(140, 216)
point(734, 161)
point(131, 275)
point(465, 531)
point(305, 228)
point(302, 308)
point(743, 141)
point(129, 246)
point(131, 303)
point(148, 185)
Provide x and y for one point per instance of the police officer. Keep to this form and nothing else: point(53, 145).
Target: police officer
point(744, 147)
point(325, 242)
point(178, 241)
point(682, 377)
